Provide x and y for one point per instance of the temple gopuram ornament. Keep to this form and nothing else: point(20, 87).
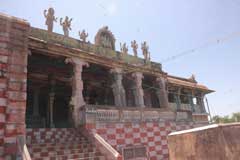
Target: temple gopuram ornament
point(50, 18)
point(134, 46)
point(193, 78)
point(83, 35)
point(124, 48)
point(145, 51)
point(66, 25)
point(105, 38)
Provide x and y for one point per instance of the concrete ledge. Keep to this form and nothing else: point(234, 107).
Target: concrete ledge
point(213, 142)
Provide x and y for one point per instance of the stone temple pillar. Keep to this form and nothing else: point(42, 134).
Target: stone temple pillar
point(162, 92)
point(77, 100)
point(138, 90)
point(201, 103)
point(118, 89)
point(190, 99)
point(36, 102)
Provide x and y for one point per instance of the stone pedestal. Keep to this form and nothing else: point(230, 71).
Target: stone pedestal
point(77, 87)
point(162, 92)
point(118, 89)
point(138, 90)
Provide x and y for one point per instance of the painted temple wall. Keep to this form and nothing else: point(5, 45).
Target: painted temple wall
point(13, 79)
point(152, 135)
point(129, 127)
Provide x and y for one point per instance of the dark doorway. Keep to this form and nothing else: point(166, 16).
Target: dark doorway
point(48, 92)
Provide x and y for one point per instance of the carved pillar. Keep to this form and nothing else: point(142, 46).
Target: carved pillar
point(77, 100)
point(190, 99)
point(118, 89)
point(138, 90)
point(36, 102)
point(201, 103)
point(177, 98)
point(51, 102)
point(162, 92)
point(51, 98)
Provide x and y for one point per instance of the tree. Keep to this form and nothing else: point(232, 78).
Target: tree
point(235, 117)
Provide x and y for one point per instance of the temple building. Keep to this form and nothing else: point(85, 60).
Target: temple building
point(64, 98)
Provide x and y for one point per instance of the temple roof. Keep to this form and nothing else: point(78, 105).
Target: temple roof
point(187, 83)
point(111, 56)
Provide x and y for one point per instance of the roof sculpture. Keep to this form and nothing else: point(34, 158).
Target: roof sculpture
point(105, 38)
point(50, 18)
point(66, 25)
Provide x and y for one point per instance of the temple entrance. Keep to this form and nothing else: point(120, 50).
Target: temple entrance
point(97, 82)
point(128, 83)
point(48, 92)
point(150, 89)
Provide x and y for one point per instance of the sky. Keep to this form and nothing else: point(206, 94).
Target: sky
point(205, 32)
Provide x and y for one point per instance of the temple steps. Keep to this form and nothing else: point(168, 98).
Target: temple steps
point(64, 158)
point(60, 144)
point(75, 145)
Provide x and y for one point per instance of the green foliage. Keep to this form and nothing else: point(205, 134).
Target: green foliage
point(235, 117)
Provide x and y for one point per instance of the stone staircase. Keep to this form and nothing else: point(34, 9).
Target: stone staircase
point(60, 144)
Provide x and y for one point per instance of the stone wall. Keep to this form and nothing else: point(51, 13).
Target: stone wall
point(214, 142)
point(13, 77)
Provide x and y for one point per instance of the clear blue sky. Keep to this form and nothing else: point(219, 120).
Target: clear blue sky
point(169, 26)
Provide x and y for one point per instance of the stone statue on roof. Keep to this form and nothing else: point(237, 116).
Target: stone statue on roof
point(193, 78)
point(66, 25)
point(105, 38)
point(145, 51)
point(124, 48)
point(50, 18)
point(134, 46)
point(83, 35)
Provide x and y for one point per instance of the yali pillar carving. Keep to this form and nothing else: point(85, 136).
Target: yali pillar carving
point(138, 90)
point(77, 100)
point(118, 89)
point(162, 92)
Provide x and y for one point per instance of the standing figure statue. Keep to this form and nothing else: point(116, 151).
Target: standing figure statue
point(145, 51)
point(134, 45)
point(66, 25)
point(124, 48)
point(83, 35)
point(50, 18)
